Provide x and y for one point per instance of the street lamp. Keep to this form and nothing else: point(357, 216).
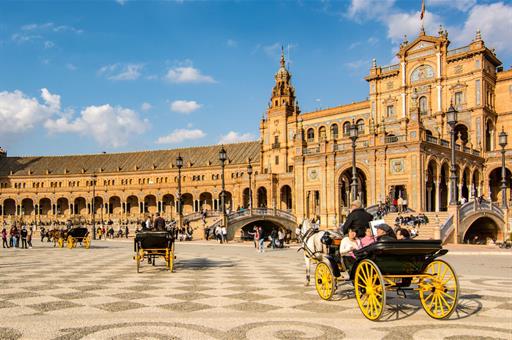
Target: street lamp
point(451, 119)
point(249, 172)
point(353, 135)
point(223, 157)
point(503, 143)
point(179, 164)
point(93, 207)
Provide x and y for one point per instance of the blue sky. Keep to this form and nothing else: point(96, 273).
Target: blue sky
point(87, 77)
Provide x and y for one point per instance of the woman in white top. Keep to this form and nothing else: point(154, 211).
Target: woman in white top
point(347, 246)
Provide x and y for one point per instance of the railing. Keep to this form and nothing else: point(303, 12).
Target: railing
point(311, 150)
point(276, 145)
point(472, 206)
point(457, 50)
point(432, 139)
point(197, 215)
point(394, 139)
point(239, 215)
point(446, 228)
point(390, 68)
point(445, 143)
point(348, 146)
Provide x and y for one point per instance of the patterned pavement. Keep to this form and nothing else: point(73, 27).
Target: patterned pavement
point(216, 292)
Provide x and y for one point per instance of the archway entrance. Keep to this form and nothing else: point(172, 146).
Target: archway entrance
point(495, 183)
point(443, 188)
point(247, 230)
point(262, 197)
point(431, 192)
point(481, 230)
point(286, 198)
point(344, 188)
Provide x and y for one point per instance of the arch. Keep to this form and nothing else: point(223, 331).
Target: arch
point(322, 133)
point(462, 131)
point(428, 133)
point(27, 207)
point(79, 205)
point(443, 186)
point(45, 206)
point(431, 190)
point(489, 136)
point(168, 203)
point(345, 189)
point(98, 206)
point(132, 205)
point(466, 184)
point(9, 207)
point(245, 198)
point(311, 135)
point(245, 225)
point(423, 105)
point(188, 203)
point(285, 202)
point(476, 179)
point(346, 129)
point(206, 201)
point(262, 197)
point(495, 183)
point(360, 126)
point(334, 131)
point(422, 72)
point(483, 227)
point(114, 205)
point(228, 200)
point(150, 204)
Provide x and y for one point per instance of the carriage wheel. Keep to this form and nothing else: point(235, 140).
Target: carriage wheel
point(137, 257)
point(70, 243)
point(60, 242)
point(87, 242)
point(370, 290)
point(170, 258)
point(439, 293)
point(324, 281)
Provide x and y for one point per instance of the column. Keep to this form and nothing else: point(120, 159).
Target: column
point(438, 195)
point(429, 198)
point(459, 194)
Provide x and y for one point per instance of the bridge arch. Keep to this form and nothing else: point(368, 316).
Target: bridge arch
point(482, 228)
point(266, 218)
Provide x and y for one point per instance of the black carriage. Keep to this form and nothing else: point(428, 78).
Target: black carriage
point(152, 244)
point(74, 236)
point(392, 265)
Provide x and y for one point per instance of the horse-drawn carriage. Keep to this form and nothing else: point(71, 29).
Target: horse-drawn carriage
point(392, 265)
point(74, 236)
point(152, 244)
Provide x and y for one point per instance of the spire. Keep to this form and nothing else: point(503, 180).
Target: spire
point(283, 93)
point(283, 63)
point(478, 35)
point(374, 63)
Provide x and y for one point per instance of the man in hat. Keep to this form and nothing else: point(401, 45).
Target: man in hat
point(385, 233)
point(358, 220)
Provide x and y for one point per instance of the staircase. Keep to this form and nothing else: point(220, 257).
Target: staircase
point(425, 231)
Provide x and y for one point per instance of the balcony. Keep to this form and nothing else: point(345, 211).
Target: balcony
point(394, 139)
point(276, 145)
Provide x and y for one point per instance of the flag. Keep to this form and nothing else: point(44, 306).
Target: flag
point(422, 9)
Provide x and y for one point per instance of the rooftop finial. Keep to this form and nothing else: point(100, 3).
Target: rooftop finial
point(282, 56)
point(441, 31)
point(374, 63)
point(478, 35)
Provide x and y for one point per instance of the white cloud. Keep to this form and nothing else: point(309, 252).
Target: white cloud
point(121, 2)
point(360, 10)
point(20, 113)
point(49, 44)
point(495, 23)
point(108, 125)
point(185, 106)
point(401, 23)
point(181, 135)
point(20, 38)
point(121, 71)
point(50, 27)
point(236, 137)
point(231, 43)
point(461, 5)
point(187, 74)
point(71, 67)
point(146, 106)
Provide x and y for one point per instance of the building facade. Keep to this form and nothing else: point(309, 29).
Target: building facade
point(303, 161)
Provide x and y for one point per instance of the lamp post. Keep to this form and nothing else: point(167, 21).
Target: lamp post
point(179, 164)
point(451, 119)
point(503, 143)
point(93, 207)
point(249, 172)
point(223, 157)
point(353, 135)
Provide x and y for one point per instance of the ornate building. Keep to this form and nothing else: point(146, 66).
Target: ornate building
point(303, 161)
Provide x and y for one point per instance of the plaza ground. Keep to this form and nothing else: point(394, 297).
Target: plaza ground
point(226, 292)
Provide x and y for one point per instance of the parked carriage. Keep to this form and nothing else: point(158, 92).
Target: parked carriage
point(73, 237)
point(152, 244)
point(393, 265)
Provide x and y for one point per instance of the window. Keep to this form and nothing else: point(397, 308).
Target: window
point(423, 105)
point(277, 160)
point(458, 99)
point(311, 135)
point(360, 126)
point(477, 92)
point(390, 110)
point(346, 129)
point(322, 133)
point(334, 131)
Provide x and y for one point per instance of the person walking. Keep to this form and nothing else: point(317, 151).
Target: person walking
point(261, 240)
point(224, 232)
point(273, 238)
point(400, 203)
point(23, 235)
point(29, 237)
point(12, 236)
point(358, 220)
point(4, 238)
point(127, 230)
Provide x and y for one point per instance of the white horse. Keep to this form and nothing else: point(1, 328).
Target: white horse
point(312, 245)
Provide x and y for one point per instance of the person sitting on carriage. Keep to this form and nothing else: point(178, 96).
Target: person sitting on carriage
point(348, 245)
point(159, 223)
point(368, 237)
point(385, 233)
point(403, 234)
point(358, 219)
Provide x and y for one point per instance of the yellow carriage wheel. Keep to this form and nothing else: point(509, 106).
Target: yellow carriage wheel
point(60, 242)
point(324, 281)
point(87, 241)
point(370, 290)
point(170, 261)
point(70, 242)
point(137, 258)
point(439, 292)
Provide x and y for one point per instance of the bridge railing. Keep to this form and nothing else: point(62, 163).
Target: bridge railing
point(447, 228)
point(472, 206)
point(238, 215)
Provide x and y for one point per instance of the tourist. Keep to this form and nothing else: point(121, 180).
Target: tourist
point(403, 234)
point(159, 223)
point(261, 239)
point(206, 232)
point(148, 223)
point(29, 237)
point(224, 232)
point(4, 238)
point(358, 220)
point(273, 238)
point(23, 234)
point(127, 231)
point(13, 235)
point(385, 233)
point(400, 203)
point(368, 237)
point(281, 235)
point(348, 245)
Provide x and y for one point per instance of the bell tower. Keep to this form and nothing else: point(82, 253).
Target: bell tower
point(283, 93)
